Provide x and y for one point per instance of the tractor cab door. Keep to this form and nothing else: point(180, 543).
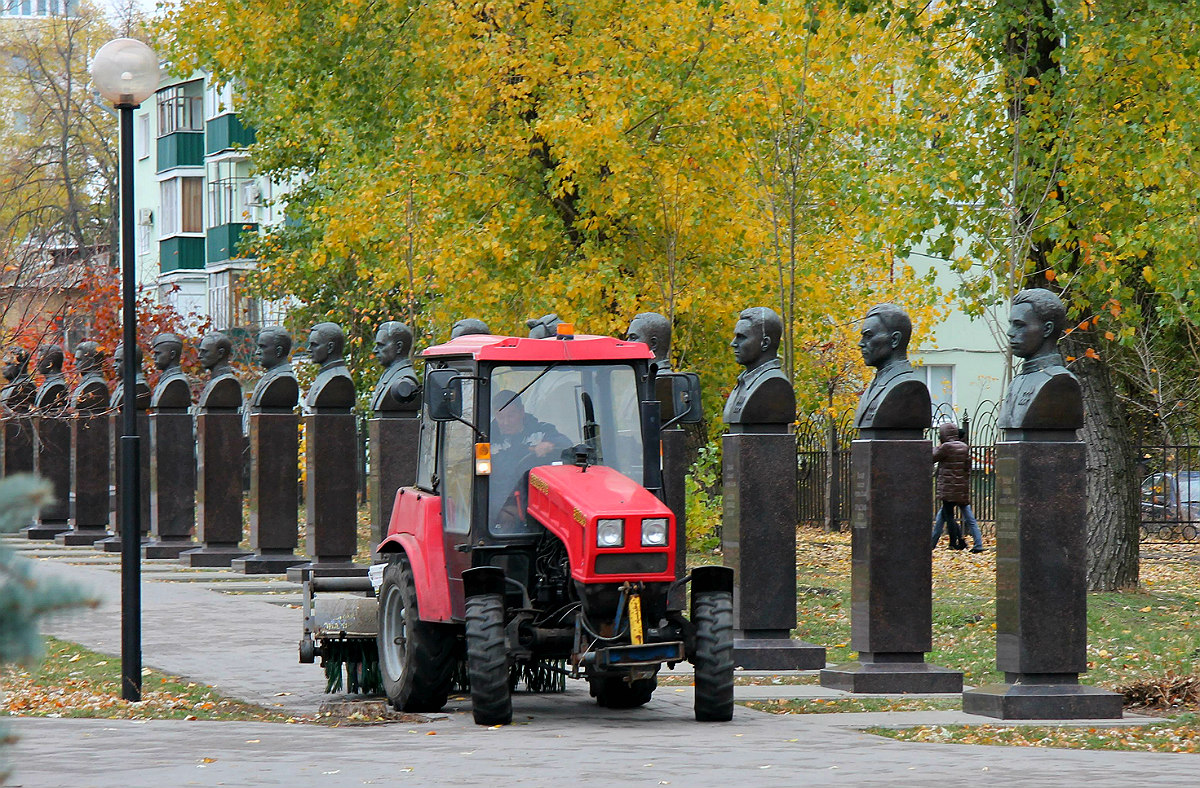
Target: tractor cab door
point(457, 482)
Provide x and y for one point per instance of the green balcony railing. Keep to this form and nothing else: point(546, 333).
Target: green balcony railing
point(226, 132)
point(180, 149)
point(180, 251)
point(223, 240)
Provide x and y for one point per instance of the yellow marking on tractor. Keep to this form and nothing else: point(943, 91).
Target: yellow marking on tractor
point(539, 484)
point(579, 518)
point(636, 636)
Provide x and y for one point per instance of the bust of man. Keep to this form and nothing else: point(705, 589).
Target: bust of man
point(173, 391)
point(223, 390)
point(18, 395)
point(277, 389)
point(653, 330)
point(333, 387)
point(896, 398)
point(469, 325)
point(1044, 395)
point(91, 395)
point(52, 394)
point(397, 388)
point(141, 389)
point(544, 327)
point(763, 399)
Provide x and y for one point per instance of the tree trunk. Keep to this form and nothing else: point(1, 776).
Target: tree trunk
point(1112, 481)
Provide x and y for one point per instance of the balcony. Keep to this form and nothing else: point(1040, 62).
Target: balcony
point(180, 252)
point(180, 149)
point(222, 241)
point(226, 132)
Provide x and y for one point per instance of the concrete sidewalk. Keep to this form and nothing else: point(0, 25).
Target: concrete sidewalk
point(239, 635)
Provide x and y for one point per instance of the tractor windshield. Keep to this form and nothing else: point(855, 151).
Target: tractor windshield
point(540, 412)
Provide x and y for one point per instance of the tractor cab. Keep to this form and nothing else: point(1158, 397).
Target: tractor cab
point(536, 537)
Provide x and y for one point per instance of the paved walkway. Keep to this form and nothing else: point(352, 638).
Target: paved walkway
point(239, 635)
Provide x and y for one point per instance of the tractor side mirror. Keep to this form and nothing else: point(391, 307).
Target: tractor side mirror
point(443, 394)
point(685, 396)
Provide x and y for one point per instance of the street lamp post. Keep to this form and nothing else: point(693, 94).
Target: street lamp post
point(125, 72)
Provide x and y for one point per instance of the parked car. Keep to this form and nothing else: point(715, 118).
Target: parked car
point(1171, 504)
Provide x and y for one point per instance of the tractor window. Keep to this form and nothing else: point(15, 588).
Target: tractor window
point(426, 454)
point(458, 465)
point(557, 408)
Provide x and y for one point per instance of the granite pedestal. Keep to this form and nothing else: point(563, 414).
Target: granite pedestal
point(274, 490)
point(219, 443)
point(16, 445)
point(89, 481)
point(675, 467)
point(759, 543)
point(330, 497)
point(1041, 591)
point(172, 484)
point(52, 461)
point(393, 444)
point(891, 597)
point(112, 544)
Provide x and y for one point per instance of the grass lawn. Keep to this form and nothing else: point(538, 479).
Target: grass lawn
point(1143, 636)
point(73, 681)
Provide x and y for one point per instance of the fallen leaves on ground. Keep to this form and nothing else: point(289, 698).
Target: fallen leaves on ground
point(1181, 735)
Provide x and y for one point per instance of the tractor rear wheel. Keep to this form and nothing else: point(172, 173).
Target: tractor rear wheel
point(487, 660)
point(416, 658)
point(713, 658)
point(614, 692)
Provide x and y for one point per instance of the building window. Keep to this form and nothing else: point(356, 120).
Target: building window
point(217, 101)
point(940, 380)
point(178, 111)
point(142, 136)
point(228, 304)
point(143, 238)
point(181, 206)
point(226, 201)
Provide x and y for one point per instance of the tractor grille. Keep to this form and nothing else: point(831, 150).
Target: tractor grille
point(631, 563)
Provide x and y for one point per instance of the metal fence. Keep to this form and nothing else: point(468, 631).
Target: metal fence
point(1169, 475)
point(1168, 472)
point(823, 463)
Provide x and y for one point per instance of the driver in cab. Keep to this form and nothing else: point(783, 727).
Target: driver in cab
point(519, 443)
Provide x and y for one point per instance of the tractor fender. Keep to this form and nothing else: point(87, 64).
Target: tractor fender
point(416, 529)
point(483, 580)
point(712, 578)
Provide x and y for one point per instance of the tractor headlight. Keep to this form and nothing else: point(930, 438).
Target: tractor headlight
point(654, 532)
point(610, 533)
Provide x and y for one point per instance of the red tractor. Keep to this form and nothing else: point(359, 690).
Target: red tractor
point(535, 538)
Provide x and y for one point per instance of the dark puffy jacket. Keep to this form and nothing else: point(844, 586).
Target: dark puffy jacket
point(954, 466)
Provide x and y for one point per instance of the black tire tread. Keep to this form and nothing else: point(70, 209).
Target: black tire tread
point(487, 660)
point(713, 657)
point(425, 686)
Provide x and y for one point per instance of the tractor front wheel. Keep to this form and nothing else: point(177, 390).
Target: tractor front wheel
point(416, 658)
point(712, 613)
point(487, 660)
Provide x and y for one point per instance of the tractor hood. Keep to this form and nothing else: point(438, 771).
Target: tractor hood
point(570, 502)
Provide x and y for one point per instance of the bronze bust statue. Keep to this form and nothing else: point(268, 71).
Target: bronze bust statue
point(333, 386)
point(397, 387)
point(654, 331)
point(896, 398)
point(141, 388)
point(19, 394)
point(173, 390)
point(469, 325)
point(763, 399)
point(1044, 395)
point(544, 327)
point(277, 389)
point(91, 395)
point(223, 390)
point(52, 394)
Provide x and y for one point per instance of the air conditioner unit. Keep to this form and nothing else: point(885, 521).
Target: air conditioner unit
point(252, 194)
point(146, 216)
